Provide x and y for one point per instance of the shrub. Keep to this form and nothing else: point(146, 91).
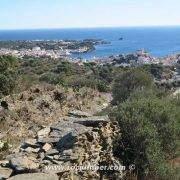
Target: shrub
point(158, 71)
point(8, 74)
point(6, 63)
point(7, 84)
point(64, 67)
point(103, 73)
point(83, 81)
point(102, 86)
point(150, 132)
point(129, 81)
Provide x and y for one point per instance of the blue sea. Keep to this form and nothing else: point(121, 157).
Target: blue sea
point(158, 41)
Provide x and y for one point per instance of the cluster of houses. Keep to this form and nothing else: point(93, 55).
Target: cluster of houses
point(141, 57)
point(35, 52)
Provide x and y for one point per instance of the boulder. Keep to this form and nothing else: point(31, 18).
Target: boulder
point(66, 127)
point(79, 114)
point(63, 133)
point(24, 164)
point(43, 132)
point(5, 172)
point(35, 176)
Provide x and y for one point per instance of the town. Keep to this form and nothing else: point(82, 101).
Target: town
point(47, 48)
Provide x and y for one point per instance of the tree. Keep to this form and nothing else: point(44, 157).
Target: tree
point(128, 82)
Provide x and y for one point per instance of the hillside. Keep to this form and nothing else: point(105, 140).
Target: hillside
point(56, 115)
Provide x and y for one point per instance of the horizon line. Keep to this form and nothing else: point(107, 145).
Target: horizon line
point(98, 27)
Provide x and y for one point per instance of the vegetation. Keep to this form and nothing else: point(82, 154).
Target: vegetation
point(149, 121)
point(8, 74)
point(158, 71)
point(130, 81)
point(147, 116)
point(150, 134)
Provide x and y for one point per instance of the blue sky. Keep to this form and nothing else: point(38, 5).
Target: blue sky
point(32, 14)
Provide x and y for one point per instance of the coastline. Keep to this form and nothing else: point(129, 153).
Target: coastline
point(158, 41)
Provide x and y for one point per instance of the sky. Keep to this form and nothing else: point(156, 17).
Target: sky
point(36, 14)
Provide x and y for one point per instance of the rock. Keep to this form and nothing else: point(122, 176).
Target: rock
point(67, 152)
point(49, 158)
point(46, 147)
point(56, 157)
point(5, 173)
point(31, 142)
point(43, 132)
point(63, 133)
point(24, 164)
point(54, 161)
point(65, 158)
point(52, 152)
point(41, 155)
point(31, 150)
point(69, 142)
point(93, 121)
point(66, 142)
point(79, 114)
point(65, 127)
point(55, 134)
point(35, 176)
point(48, 140)
point(58, 162)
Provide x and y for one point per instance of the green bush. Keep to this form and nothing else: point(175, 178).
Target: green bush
point(158, 71)
point(83, 81)
point(7, 84)
point(103, 72)
point(8, 74)
point(64, 67)
point(7, 63)
point(102, 86)
point(150, 129)
point(128, 82)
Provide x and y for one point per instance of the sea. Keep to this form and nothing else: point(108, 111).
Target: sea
point(158, 41)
